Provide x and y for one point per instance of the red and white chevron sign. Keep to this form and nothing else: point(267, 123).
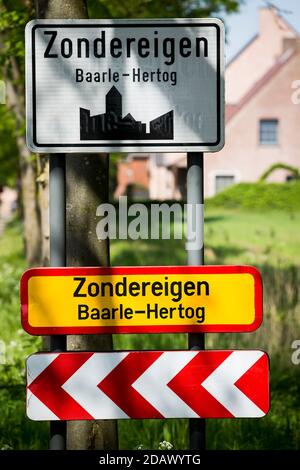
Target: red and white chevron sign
point(147, 384)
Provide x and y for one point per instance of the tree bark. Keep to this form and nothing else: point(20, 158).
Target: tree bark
point(56, 9)
point(43, 202)
point(87, 187)
point(31, 219)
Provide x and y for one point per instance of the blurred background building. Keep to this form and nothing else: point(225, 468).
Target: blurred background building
point(262, 122)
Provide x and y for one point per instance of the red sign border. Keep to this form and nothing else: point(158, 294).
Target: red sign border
point(126, 270)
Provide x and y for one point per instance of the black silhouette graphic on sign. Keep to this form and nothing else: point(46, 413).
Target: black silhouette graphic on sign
point(112, 126)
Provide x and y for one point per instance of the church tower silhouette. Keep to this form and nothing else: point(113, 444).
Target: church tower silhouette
point(113, 103)
point(112, 125)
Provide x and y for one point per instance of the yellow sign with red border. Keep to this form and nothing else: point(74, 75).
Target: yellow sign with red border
point(90, 300)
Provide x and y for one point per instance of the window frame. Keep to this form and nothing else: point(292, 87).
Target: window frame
point(224, 175)
point(268, 143)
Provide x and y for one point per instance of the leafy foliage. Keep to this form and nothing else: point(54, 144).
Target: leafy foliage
point(8, 149)
point(158, 9)
point(280, 166)
point(13, 17)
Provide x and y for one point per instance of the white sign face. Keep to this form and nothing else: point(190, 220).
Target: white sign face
point(125, 85)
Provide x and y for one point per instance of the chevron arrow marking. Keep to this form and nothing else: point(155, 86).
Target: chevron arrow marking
point(219, 388)
point(221, 384)
point(153, 384)
point(122, 378)
point(46, 375)
point(147, 384)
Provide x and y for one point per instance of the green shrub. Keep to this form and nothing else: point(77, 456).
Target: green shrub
point(259, 196)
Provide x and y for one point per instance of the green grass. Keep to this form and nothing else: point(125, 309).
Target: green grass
point(231, 236)
point(244, 236)
point(11, 246)
point(16, 431)
point(269, 240)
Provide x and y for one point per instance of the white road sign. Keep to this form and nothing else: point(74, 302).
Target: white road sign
point(125, 85)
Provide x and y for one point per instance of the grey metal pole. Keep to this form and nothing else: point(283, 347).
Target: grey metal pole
point(57, 203)
point(195, 254)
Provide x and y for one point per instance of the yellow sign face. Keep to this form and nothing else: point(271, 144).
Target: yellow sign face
point(141, 299)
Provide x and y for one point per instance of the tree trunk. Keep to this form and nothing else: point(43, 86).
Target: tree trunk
point(87, 187)
point(56, 9)
point(43, 202)
point(30, 209)
point(31, 219)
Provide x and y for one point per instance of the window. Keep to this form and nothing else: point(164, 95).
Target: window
point(223, 181)
point(268, 131)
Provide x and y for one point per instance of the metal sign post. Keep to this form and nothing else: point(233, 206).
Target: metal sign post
point(57, 201)
point(195, 200)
